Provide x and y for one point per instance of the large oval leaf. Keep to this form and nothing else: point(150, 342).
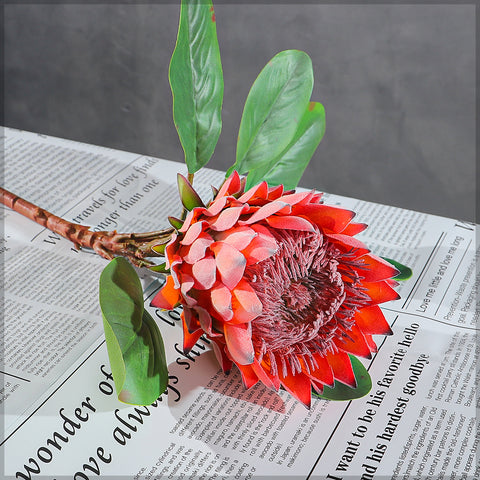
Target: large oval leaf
point(196, 80)
point(287, 169)
point(273, 109)
point(134, 343)
point(340, 391)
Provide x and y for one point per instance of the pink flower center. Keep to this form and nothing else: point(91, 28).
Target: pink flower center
point(304, 299)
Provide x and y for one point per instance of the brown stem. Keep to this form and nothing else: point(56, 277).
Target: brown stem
point(134, 246)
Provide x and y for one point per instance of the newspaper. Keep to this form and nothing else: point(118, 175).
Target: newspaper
point(61, 418)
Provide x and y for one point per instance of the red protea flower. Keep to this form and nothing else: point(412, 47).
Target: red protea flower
point(279, 284)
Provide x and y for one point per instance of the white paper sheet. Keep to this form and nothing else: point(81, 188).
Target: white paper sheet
point(60, 414)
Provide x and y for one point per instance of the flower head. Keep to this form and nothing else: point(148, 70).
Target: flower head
point(279, 284)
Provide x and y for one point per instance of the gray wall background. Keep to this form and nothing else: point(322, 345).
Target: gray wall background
point(397, 83)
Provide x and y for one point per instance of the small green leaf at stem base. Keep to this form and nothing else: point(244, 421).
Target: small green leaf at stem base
point(405, 272)
point(342, 392)
point(134, 343)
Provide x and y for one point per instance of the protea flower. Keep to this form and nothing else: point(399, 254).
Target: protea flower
point(279, 284)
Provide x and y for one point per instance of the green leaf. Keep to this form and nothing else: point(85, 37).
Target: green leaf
point(196, 80)
point(405, 272)
point(274, 107)
point(190, 198)
point(287, 169)
point(134, 343)
point(340, 391)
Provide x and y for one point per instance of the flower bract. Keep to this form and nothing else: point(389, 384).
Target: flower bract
point(279, 284)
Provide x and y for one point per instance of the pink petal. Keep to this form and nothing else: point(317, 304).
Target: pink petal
point(245, 303)
point(266, 211)
point(192, 233)
point(187, 284)
point(230, 263)
point(221, 298)
point(198, 247)
point(238, 237)
point(227, 218)
point(261, 247)
point(294, 198)
point(204, 273)
point(290, 223)
point(239, 343)
point(216, 206)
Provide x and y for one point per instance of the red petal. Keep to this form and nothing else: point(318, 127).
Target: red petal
point(376, 269)
point(354, 228)
point(371, 344)
point(190, 319)
point(204, 273)
point(198, 247)
point(323, 373)
point(380, 292)
point(345, 243)
point(342, 368)
point(239, 343)
point(221, 298)
point(259, 190)
point(230, 186)
point(353, 342)
point(190, 339)
point(205, 320)
point(275, 192)
point(371, 321)
point(270, 381)
point(299, 386)
point(230, 263)
point(249, 377)
point(168, 297)
point(329, 219)
point(223, 360)
point(290, 223)
point(245, 303)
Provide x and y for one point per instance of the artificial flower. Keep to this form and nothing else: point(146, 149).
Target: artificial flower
point(278, 283)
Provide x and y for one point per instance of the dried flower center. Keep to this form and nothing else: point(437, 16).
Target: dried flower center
point(303, 296)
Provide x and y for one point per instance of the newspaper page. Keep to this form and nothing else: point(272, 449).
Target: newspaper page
point(60, 414)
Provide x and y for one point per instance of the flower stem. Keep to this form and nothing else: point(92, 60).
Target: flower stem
point(134, 246)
